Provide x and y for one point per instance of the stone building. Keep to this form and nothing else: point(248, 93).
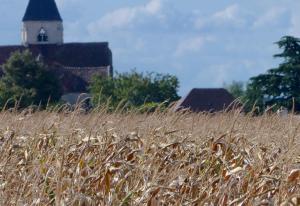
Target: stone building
point(74, 63)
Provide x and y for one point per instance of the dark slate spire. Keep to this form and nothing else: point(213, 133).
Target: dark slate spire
point(42, 10)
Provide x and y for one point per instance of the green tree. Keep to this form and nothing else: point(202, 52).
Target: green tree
point(236, 88)
point(28, 81)
point(135, 89)
point(253, 97)
point(279, 86)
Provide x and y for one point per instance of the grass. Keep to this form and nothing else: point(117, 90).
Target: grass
point(50, 158)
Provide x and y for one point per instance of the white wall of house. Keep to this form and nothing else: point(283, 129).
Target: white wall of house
point(31, 30)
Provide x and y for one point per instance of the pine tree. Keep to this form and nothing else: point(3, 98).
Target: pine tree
point(279, 86)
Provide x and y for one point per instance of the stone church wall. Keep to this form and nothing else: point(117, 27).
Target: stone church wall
point(31, 29)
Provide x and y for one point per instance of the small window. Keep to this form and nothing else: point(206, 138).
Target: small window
point(42, 36)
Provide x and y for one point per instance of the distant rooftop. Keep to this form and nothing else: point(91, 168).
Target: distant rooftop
point(206, 100)
point(42, 10)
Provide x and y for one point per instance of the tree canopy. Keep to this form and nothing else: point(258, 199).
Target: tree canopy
point(236, 88)
point(134, 89)
point(279, 86)
point(27, 81)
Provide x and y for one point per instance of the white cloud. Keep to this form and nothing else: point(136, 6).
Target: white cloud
point(116, 19)
point(271, 17)
point(153, 7)
point(124, 17)
point(231, 15)
point(194, 44)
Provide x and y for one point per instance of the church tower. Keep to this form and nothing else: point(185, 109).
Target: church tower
point(42, 23)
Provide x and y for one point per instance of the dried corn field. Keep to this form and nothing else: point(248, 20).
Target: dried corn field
point(50, 158)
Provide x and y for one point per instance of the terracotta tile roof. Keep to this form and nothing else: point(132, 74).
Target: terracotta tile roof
point(42, 10)
point(206, 100)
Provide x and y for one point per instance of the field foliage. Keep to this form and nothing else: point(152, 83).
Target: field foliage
point(162, 158)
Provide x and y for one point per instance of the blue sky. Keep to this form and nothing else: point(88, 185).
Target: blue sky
point(204, 43)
